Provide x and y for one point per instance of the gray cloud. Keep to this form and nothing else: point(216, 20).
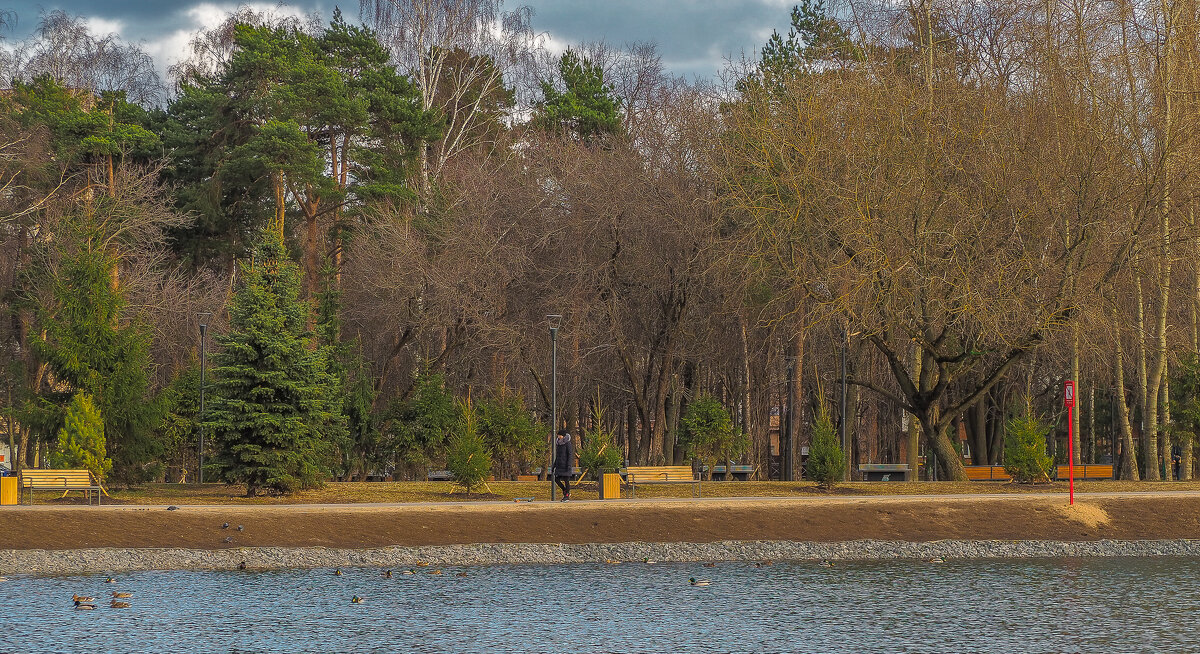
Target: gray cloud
point(693, 36)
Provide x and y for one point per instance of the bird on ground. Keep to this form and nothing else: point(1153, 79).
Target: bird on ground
point(698, 582)
point(239, 527)
point(387, 574)
point(356, 600)
point(121, 595)
point(82, 598)
point(337, 572)
point(118, 605)
point(83, 606)
point(229, 539)
point(225, 526)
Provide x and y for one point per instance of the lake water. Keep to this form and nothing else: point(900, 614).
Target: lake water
point(1056, 605)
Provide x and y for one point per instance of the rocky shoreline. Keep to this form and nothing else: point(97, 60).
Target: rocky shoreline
point(99, 560)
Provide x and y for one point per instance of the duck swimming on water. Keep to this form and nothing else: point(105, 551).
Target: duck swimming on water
point(83, 606)
point(119, 605)
point(699, 582)
point(121, 595)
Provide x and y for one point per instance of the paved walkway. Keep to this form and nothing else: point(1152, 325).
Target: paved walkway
point(365, 506)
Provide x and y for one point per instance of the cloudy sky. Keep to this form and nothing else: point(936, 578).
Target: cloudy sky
point(694, 36)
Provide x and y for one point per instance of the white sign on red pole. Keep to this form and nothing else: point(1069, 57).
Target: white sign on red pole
point(1069, 400)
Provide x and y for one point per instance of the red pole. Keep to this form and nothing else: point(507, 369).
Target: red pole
point(1071, 448)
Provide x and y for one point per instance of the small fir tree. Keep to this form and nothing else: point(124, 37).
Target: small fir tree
point(468, 459)
point(709, 434)
point(276, 411)
point(81, 439)
point(599, 452)
point(1025, 456)
point(826, 461)
point(417, 427)
point(513, 437)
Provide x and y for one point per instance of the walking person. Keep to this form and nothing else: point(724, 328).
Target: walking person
point(564, 462)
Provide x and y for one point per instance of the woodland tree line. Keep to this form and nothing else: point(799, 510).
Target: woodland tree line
point(974, 201)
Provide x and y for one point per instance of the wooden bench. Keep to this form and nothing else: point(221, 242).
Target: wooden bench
point(64, 480)
point(734, 472)
point(1086, 471)
point(987, 473)
point(638, 475)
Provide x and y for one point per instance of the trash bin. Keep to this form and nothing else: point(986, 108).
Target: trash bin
point(610, 486)
point(8, 491)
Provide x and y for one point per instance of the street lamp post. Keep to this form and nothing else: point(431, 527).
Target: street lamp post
point(200, 452)
point(554, 321)
point(845, 443)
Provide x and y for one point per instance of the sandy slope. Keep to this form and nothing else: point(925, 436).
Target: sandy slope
point(1114, 516)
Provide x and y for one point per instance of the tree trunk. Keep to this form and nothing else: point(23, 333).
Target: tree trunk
point(948, 460)
point(914, 429)
point(1075, 447)
point(1129, 471)
point(1168, 456)
point(795, 406)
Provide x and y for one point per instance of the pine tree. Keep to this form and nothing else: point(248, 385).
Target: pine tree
point(468, 459)
point(276, 411)
point(586, 107)
point(81, 439)
point(826, 461)
point(1025, 456)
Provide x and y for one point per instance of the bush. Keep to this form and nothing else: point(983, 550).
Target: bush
point(468, 459)
point(81, 439)
point(514, 439)
point(1025, 456)
point(709, 433)
point(826, 461)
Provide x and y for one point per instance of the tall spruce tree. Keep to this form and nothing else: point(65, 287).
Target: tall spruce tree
point(88, 347)
point(276, 414)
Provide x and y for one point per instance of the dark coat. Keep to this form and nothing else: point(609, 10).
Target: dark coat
point(564, 456)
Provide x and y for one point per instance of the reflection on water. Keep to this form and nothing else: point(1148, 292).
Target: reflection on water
point(1066, 605)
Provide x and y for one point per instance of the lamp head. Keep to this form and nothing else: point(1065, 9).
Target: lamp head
point(555, 320)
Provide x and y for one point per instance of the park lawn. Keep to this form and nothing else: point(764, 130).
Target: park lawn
point(509, 491)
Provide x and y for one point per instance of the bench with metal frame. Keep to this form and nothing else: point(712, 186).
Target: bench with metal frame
point(61, 479)
point(653, 475)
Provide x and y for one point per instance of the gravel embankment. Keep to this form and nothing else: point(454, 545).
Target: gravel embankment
point(115, 560)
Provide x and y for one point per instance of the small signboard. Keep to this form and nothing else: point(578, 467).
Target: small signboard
point(1069, 393)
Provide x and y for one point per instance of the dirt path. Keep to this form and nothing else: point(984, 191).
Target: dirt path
point(918, 519)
